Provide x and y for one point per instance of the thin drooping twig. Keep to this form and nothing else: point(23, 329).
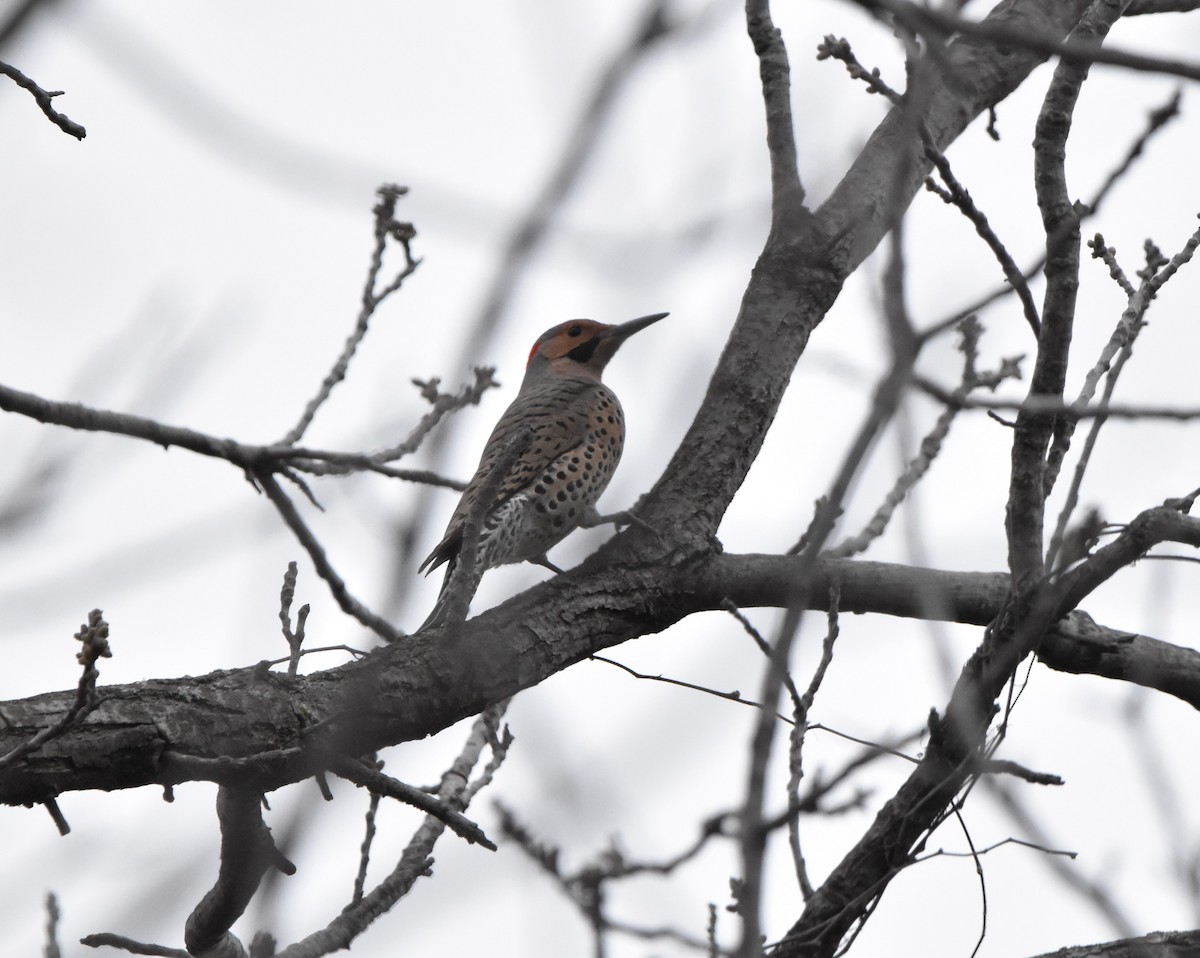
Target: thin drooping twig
point(53, 916)
point(957, 195)
point(442, 403)
point(386, 227)
point(931, 445)
point(587, 886)
point(45, 101)
point(364, 852)
point(456, 790)
point(796, 744)
point(360, 774)
point(1088, 889)
point(954, 193)
point(764, 646)
point(734, 696)
point(320, 462)
point(1157, 119)
point(337, 586)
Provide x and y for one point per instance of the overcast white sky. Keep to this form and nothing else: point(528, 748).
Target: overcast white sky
point(198, 258)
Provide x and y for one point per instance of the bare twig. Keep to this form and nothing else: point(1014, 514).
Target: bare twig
point(455, 791)
point(931, 445)
point(796, 743)
point(468, 395)
point(386, 227)
point(1090, 890)
point(587, 886)
point(822, 784)
point(1001, 766)
point(108, 940)
point(348, 649)
point(982, 881)
point(364, 854)
point(53, 916)
point(954, 193)
point(1157, 119)
point(764, 646)
point(957, 195)
point(349, 604)
point(362, 775)
point(244, 455)
point(1051, 406)
point(94, 636)
point(295, 638)
point(44, 101)
point(734, 696)
point(838, 48)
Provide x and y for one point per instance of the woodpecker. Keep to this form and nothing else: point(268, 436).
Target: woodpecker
point(574, 431)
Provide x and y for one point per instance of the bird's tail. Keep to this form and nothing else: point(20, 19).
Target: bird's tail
point(441, 607)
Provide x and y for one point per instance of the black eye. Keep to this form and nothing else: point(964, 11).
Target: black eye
point(574, 330)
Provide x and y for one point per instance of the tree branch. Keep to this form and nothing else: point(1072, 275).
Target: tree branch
point(1158, 944)
point(45, 101)
point(1077, 50)
point(256, 725)
point(247, 851)
point(799, 273)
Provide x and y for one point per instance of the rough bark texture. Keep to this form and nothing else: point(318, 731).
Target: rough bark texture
point(259, 727)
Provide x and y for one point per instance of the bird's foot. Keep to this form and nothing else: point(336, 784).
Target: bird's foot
point(544, 560)
point(592, 518)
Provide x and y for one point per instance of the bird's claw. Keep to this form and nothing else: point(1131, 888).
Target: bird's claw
point(626, 518)
point(544, 561)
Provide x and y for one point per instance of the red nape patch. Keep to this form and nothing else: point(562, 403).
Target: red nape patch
point(536, 347)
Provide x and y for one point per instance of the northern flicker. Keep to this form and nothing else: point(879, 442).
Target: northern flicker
point(574, 431)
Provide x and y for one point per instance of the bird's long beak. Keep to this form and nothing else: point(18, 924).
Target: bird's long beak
point(623, 331)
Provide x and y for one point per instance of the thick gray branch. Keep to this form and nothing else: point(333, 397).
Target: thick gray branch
point(254, 726)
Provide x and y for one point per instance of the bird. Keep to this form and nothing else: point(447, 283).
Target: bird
point(570, 428)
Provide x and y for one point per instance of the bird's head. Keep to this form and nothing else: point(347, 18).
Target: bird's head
point(582, 347)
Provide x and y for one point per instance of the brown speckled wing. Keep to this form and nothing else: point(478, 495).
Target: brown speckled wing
point(563, 415)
